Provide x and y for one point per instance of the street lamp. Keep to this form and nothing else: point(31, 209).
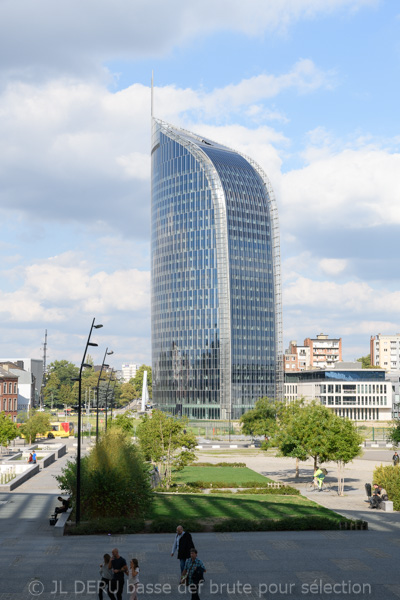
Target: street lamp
point(108, 387)
point(78, 457)
point(113, 396)
point(98, 387)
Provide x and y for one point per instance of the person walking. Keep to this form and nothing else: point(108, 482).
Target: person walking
point(182, 544)
point(133, 579)
point(395, 459)
point(34, 457)
point(194, 572)
point(106, 575)
point(119, 568)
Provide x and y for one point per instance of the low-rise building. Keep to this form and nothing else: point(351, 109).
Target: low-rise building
point(8, 393)
point(358, 394)
point(129, 371)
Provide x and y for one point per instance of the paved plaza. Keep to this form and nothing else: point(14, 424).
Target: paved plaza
point(295, 565)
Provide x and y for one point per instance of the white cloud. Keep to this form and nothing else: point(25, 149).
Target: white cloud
point(73, 36)
point(351, 189)
point(55, 289)
point(333, 266)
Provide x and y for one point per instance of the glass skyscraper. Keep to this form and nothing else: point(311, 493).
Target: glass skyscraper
point(216, 300)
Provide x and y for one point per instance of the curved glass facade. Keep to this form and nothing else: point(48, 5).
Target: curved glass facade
point(214, 338)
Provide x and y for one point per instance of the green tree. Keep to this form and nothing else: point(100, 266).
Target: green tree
point(288, 436)
point(165, 441)
point(8, 430)
point(366, 362)
point(115, 480)
point(124, 421)
point(128, 393)
point(262, 419)
point(60, 373)
point(343, 445)
point(137, 381)
point(394, 433)
point(38, 422)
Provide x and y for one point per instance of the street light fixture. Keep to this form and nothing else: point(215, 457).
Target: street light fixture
point(78, 454)
point(103, 364)
point(108, 387)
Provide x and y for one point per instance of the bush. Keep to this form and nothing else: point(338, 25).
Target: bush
point(220, 464)
point(389, 478)
point(114, 479)
point(282, 491)
point(221, 491)
point(107, 525)
point(167, 525)
point(306, 523)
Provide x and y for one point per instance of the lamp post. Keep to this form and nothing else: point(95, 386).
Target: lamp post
point(78, 455)
point(108, 387)
point(98, 387)
point(113, 396)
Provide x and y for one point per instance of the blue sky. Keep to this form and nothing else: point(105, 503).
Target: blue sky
point(307, 88)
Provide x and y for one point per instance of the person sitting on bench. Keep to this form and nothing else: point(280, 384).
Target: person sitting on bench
point(64, 506)
point(378, 495)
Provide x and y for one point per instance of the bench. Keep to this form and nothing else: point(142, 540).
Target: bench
point(62, 518)
point(386, 505)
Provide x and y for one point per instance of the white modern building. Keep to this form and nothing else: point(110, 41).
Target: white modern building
point(129, 371)
point(358, 394)
point(385, 351)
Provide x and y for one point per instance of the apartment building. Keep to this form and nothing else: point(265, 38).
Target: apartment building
point(324, 351)
point(8, 393)
point(385, 351)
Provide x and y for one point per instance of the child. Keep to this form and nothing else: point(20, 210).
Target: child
point(133, 579)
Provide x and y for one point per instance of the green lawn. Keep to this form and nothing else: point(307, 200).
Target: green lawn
point(200, 506)
point(229, 475)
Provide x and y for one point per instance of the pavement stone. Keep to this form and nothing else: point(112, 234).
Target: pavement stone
point(240, 566)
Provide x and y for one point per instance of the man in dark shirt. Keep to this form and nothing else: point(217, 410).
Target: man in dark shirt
point(64, 506)
point(183, 543)
point(119, 569)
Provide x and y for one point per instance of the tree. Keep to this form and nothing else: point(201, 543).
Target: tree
point(366, 362)
point(128, 393)
point(343, 445)
point(137, 381)
point(115, 480)
point(125, 422)
point(8, 430)
point(165, 441)
point(288, 437)
point(394, 433)
point(60, 373)
point(262, 419)
point(38, 422)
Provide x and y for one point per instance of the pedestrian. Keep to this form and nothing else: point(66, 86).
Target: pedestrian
point(106, 575)
point(379, 494)
point(30, 459)
point(395, 459)
point(133, 579)
point(194, 574)
point(34, 457)
point(182, 544)
point(119, 568)
point(319, 476)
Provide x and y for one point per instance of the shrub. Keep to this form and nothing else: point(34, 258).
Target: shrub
point(282, 491)
point(389, 478)
point(107, 525)
point(114, 479)
point(236, 465)
point(168, 525)
point(217, 491)
point(311, 522)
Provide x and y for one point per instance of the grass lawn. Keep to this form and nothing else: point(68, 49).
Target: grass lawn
point(200, 506)
point(229, 475)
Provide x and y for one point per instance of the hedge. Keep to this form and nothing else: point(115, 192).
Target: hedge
point(389, 478)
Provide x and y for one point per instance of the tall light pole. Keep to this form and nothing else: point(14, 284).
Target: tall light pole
point(78, 456)
point(98, 388)
point(108, 387)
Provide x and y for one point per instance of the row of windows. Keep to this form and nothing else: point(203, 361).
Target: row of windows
point(11, 402)
point(359, 414)
point(363, 401)
point(10, 387)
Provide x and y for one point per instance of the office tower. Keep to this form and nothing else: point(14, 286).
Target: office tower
point(216, 299)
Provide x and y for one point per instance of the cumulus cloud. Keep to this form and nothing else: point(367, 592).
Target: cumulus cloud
point(55, 289)
point(77, 36)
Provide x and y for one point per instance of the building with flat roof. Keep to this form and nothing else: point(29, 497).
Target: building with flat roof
point(216, 299)
point(358, 394)
point(129, 371)
point(324, 351)
point(385, 351)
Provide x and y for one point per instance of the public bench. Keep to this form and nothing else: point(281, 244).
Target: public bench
point(386, 505)
point(59, 521)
